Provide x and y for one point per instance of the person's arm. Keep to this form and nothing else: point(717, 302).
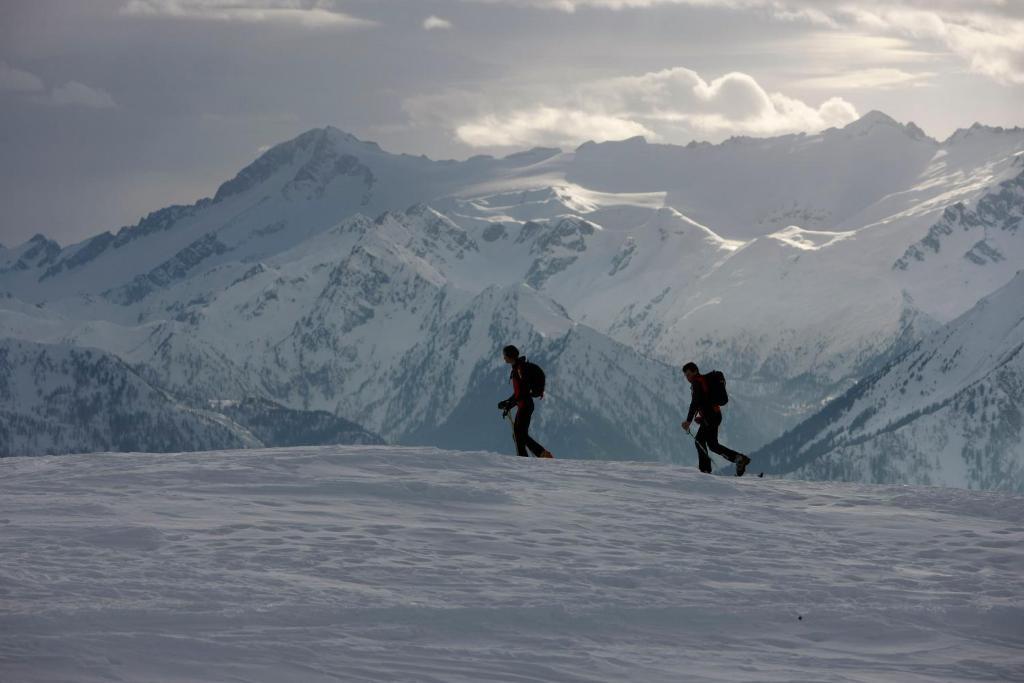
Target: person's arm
point(511, 400)
point(693, 409)
point(694, 404)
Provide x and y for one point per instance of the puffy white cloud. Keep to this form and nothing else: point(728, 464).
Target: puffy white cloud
point(432, 23)
point(676, 105)
point(74, 93)
point(733, 104)
point(16, 80)
point(319, 14)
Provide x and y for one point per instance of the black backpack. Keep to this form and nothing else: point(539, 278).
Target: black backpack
point(716, 388)
point(534, 378)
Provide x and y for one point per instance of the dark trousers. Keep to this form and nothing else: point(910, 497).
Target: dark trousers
point(521, 431)
point(707, 438)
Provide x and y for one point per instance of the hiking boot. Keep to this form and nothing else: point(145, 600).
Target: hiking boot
point(545, 454)
point(741, 465)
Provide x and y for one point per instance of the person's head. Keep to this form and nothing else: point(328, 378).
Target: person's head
point(510, 353)
point(691, 371)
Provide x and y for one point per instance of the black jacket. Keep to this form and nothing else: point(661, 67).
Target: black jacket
point(700, 400)
point(520, 390)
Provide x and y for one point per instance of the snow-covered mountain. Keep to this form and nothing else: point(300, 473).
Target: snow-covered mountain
point(65, 399)
point(383, 564)
point(59, 398)
point(276, 425)
point(969, 249)
point(948, 412)
point(323, 273)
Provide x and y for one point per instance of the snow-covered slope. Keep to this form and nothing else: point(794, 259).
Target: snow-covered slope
point(748, 187)
point(64, 399)
point(948, 412)
point(275, 425)
point(382, 564)
point(969, 249)
point(59, 398)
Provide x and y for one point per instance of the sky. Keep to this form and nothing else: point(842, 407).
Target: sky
point(110, 109)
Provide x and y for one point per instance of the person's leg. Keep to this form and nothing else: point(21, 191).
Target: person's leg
point(703, 461)
point(732, 456)
point(727, 453)
point(712, 441)
point(534, 446)
point(521, 429)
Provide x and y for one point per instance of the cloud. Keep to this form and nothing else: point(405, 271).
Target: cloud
point(74, 93)
point(992, 44)
point(676, 105)
point(573, 5)
point(987, 34)
point(431, 23)
point(546, 126)
point(71, 93)
point(863, 79)
point(319, 14)
point(733, 104)
point(16, 80)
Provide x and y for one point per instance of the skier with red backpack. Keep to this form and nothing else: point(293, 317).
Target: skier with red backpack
point(527, 383)
point(708, 397)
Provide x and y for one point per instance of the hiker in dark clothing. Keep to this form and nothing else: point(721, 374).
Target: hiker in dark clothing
point(709, 417)
point(522, 400)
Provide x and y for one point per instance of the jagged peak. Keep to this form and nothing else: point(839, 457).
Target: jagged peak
point(388, 217)
point(915, 130)
point(316, 141)
point(544, 314)
point(534, 153)
point(877, 120)
point(977, 129)
point(635, 141)
point(356, 222)
point(337, 135)
point(38, 239)
point(873, 117)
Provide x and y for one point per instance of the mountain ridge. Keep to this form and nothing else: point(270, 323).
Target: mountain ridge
point(314, 281)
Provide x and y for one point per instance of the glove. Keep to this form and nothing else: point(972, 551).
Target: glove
point(505, 405)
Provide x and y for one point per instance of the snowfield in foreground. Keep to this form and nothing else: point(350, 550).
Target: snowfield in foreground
point(382, 564)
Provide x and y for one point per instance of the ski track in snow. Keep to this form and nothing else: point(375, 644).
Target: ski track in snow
point(416, 564)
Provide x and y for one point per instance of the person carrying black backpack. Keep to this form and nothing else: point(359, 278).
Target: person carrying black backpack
point(527, 383)
point(708, 397)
